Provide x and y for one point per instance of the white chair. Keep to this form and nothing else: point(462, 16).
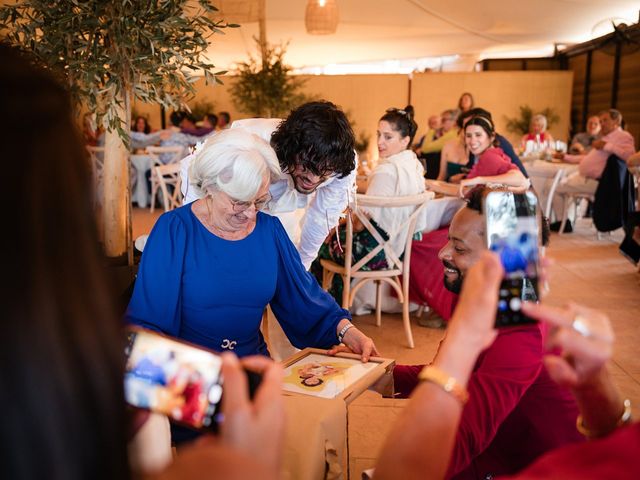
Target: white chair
point(572, 198)
point(161, 177)
point(557, 178)
point(176, 154)
point(396, 268)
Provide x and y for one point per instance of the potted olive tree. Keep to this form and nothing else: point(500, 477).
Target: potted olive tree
point(265, 87)
point(109, 52)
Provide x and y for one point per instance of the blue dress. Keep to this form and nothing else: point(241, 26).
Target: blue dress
point(212, 292)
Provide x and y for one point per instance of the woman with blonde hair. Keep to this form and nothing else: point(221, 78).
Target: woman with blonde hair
point(537, 131)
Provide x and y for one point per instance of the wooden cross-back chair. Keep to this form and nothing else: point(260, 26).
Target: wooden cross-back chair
point(177, 153)
point(397, 266)
point(164, 176)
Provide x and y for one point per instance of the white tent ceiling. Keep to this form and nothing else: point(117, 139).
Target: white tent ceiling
point(379, 30)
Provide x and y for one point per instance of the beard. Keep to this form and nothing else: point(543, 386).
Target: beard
point(309, 186)
point(454, 286)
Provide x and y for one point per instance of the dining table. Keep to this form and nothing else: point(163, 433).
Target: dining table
point(142, 164)
point(546, 176)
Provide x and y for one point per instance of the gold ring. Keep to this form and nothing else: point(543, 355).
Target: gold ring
point(579, 324)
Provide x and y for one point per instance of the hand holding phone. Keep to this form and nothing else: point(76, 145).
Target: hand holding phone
point(177, 379)
point(512, 230)
point(254, 427)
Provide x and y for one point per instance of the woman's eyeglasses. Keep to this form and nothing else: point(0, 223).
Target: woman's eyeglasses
point(239, 206)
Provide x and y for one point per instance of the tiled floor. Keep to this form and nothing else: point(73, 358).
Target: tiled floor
point(587, 270)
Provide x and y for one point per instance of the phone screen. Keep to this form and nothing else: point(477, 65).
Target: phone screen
point(512, 232)
point(173, 378)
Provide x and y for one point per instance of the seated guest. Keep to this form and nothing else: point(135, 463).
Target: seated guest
point(614, 141)
point(174, 137)
point(537, 131)
point(433, 132)
point(454, 156)
point(60, 329)
point(491, 164)
point(188, 121)
point(398, 173)
point(141, 135)
point(224, 120)
point(511, 396)
point(423, 441)
point(141, 125)
point(501, 141)
point(209, 122)
point(465, 103)
point(449, 132)
point(210, 268)
point(581, 142)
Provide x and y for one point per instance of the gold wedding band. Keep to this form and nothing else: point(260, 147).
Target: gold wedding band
point(579, 324)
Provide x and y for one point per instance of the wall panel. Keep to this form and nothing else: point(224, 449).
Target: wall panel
point(629, 91)
point(366, 97)
point(500, 92)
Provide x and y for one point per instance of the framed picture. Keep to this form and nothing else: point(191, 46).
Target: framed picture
point(313, 372)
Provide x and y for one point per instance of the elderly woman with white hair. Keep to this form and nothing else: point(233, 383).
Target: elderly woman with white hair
point(538, 131)
point(210, 268)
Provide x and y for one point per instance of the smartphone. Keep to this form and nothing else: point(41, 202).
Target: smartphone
point(175, 378)
point(512, 230)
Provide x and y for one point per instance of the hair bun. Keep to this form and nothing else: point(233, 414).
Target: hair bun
point(410, 111)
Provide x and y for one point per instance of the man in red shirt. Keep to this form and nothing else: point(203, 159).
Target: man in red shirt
point(515, 411)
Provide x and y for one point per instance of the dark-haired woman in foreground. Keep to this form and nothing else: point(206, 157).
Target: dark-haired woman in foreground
point(61, 377)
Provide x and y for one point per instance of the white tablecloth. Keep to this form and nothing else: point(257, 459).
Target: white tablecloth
point(140, 194)
point(542, 174)
point(440, 212)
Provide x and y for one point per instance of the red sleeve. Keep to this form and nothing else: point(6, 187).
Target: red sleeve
point(491, 163)
point(405, 379)
point(502, 375)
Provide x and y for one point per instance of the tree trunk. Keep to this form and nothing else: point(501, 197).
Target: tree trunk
point(117, 191)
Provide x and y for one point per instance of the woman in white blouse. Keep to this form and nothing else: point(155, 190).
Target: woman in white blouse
point(398, 173)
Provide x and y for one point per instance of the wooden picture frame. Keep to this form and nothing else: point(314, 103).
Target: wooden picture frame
point(312, 372)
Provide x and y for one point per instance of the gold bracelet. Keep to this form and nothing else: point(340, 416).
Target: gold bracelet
point(445, 381)
point(624, 419)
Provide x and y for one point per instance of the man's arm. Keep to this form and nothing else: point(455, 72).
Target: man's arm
point(504, 373)
point(567, 157)
point(323, 214)
point(623, 147)
point(430, 146)
point(420, 442)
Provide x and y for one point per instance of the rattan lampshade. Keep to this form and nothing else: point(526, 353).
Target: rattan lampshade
point(321, 17)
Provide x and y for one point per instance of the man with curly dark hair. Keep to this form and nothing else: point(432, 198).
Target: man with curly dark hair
point(315, 149)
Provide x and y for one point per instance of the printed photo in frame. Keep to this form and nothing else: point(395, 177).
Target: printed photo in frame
point(313, 372)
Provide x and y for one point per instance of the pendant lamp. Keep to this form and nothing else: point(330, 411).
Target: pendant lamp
point(321, 17)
